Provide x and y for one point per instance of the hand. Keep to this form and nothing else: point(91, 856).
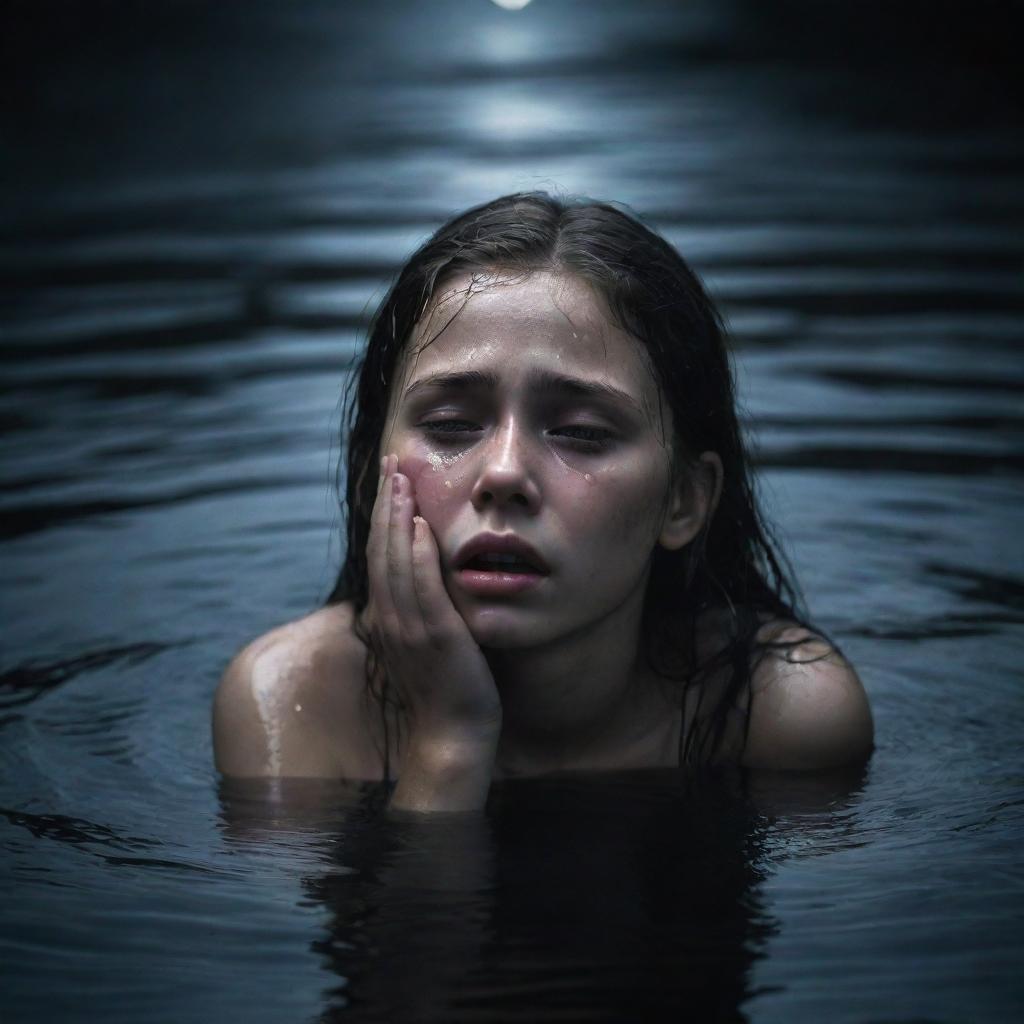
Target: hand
point(430, 656)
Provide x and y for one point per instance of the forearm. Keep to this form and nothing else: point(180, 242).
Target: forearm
point(450, 773)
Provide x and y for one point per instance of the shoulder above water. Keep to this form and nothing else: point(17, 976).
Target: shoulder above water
point(291, 703)
point(808, 708)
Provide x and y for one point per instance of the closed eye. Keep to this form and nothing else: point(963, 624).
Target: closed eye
point(450, 427)
point(583, 437)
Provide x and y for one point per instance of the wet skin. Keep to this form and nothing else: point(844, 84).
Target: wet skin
point(520, 411)
point(532, 415)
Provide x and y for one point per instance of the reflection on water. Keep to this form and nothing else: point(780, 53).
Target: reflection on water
point(613, 899)
point(200, 208)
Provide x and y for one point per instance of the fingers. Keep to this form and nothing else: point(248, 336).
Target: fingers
point(377, 546)
point(436, 608)
point(399, 552)
point(404, 564)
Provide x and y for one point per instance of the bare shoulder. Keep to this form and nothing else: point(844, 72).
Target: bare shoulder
point(808, 708)
point(290, 703)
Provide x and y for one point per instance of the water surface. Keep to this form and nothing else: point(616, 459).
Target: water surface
point(200, 208)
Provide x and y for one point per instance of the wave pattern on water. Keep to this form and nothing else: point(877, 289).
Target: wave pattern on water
point(186, 275)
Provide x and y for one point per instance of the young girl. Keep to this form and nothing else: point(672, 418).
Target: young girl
point(555, 558)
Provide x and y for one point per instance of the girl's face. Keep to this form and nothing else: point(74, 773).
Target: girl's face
point(537, 444)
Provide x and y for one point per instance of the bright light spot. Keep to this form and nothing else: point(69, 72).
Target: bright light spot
point(512, 114)
point(512, 5)
point(507, 42)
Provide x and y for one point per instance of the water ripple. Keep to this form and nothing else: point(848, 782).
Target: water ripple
point(23, 683)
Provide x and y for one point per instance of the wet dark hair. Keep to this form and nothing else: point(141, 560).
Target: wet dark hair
point(733, 570)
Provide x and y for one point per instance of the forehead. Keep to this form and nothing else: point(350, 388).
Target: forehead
point(512, 325)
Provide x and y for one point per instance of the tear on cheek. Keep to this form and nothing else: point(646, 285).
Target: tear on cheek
point(432, 485)
point(571, 469)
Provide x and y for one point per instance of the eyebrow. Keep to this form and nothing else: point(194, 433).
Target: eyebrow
point(539, 380)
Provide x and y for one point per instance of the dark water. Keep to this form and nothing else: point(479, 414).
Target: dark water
point(199, 205)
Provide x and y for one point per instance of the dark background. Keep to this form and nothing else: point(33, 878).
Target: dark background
point(200, 204)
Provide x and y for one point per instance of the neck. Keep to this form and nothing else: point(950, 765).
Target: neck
point(585, 702)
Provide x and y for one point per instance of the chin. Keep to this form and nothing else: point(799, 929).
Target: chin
point(503, 629)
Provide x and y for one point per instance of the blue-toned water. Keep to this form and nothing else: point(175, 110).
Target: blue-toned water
point(199, 206)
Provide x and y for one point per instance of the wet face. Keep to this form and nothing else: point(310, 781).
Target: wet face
point(532, 430)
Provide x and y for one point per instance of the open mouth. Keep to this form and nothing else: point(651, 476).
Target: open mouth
point(499, 565)
point(505, 563)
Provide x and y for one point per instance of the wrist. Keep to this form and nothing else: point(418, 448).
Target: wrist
point(449, 772)
point(434, 727)
point(451, 750)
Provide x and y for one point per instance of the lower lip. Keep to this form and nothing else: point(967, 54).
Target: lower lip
point(497, 584)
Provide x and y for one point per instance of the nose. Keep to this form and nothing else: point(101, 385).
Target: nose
point(505, 478)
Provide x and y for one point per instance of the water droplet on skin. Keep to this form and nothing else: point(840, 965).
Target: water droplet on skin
point(298, 707)
point(587, 477)
point(447, 483)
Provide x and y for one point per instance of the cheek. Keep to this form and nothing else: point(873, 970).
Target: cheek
point(436, 486)
point(624, 505)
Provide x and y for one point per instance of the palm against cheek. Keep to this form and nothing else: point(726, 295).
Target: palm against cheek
point(425, 645)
